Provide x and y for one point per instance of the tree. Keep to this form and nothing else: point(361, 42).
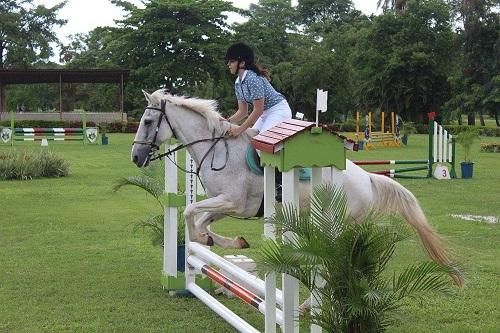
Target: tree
point(404, 60)
point(26, 32)
point(358, 295)
point(480, 38)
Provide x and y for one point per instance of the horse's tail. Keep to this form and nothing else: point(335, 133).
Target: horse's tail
point(392, 197)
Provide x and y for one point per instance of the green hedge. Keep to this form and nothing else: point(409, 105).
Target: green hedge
point(493, 147)
point(47, 123)
point(114, 127)
point(131, 126)
point(422, 128)
point(26, 165)
point(455, 129)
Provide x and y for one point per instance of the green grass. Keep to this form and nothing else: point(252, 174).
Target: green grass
point(69, 261)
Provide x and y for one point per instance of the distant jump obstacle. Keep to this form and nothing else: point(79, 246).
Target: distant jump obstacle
point(391, 138)
point(84, 134)
point(301, 141)
point(441, 150)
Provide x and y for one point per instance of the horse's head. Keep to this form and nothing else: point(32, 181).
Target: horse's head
point(154, 129)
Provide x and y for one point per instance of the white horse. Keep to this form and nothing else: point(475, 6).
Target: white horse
point(235, 190)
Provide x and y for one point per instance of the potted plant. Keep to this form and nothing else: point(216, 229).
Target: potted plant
point(104, 130)
point(408, 128)
point(465, 139)
point(358, 294)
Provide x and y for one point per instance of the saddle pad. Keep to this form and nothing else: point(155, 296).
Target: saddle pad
point(253, 161)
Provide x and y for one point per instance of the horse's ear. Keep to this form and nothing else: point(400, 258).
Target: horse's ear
point(148, 96)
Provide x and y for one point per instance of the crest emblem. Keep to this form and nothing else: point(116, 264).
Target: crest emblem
point(91, 134)
point(6, 134)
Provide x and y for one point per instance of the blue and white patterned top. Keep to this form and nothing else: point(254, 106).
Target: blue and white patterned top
point(255, 87)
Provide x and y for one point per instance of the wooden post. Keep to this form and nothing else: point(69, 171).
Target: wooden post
point(357, 125)
point(370, 123)
point(121, 95)
point(392, 123)
point(2, 100)
point(382, 122)
point(60, 97)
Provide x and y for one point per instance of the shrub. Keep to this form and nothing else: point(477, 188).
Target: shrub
point(47, 123)
point(28, 165)
point(493, 147)
point(358, 294)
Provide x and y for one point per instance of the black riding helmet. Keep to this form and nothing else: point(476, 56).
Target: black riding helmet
point(240, 52)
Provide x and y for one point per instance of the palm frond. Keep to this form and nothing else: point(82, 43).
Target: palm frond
point(421, 278)
point(155, 225)
point(149, 184)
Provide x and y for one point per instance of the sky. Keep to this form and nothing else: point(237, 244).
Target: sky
point(85, 15)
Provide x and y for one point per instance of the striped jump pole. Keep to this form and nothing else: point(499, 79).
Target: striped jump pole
point(397, 173)
point(50, 133)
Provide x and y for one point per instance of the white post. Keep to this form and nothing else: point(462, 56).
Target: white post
point(440, 143)
point(316, 179)
point(269, 232)
point(170, 219)
point(190, 191)
point(450, 149)
point(290, 284)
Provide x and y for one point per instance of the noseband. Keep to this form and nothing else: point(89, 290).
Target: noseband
point(163, 114)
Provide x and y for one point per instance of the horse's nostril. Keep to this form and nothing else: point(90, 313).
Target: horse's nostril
point(135, 158)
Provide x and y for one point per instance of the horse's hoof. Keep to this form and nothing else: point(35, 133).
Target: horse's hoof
point(243, 244)
point(210, 241)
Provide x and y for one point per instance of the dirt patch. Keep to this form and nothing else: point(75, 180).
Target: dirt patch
point(477, 218)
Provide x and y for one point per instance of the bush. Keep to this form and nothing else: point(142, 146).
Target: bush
point(114, 127)
point(490, 147)
point(47, 123)
point(28, 165)
point(455, 129)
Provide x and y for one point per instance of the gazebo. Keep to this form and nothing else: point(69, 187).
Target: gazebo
point(60, 76)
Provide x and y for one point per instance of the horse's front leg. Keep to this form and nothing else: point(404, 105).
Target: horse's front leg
point(198, 231)
point(225, 242)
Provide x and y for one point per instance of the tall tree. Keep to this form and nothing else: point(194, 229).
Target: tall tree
point(404, 60)
point(26, 32)
point(481, 63)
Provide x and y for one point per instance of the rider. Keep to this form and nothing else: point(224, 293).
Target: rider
point(252, 86)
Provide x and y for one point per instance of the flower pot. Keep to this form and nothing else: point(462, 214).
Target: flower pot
point(181, 258)
point(404, 139)
point(467, 168)
point(104, 139)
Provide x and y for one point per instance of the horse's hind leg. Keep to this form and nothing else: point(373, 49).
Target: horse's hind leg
point(208, 218)
point(198, 232)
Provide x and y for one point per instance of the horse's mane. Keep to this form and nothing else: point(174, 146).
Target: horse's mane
point(204, 107)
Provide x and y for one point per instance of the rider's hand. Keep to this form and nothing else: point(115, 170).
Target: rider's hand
point(235, 130)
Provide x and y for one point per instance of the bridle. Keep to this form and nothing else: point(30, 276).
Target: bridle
point(154, 155)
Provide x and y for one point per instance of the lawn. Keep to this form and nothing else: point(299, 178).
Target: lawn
point(70, 261)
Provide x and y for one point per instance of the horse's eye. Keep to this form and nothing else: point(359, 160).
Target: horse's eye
point(148, 122)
